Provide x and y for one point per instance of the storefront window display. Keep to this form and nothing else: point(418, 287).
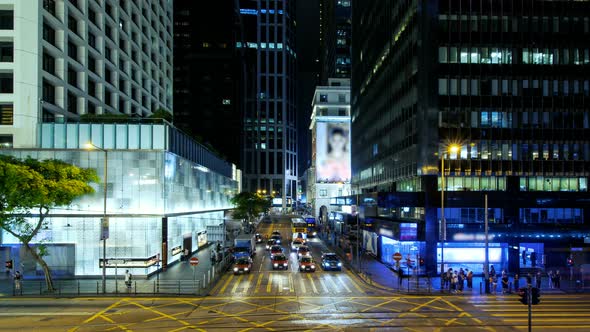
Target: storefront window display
point(471, 256)
point(408, 249)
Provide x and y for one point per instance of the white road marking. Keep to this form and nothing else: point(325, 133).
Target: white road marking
point(343, 284)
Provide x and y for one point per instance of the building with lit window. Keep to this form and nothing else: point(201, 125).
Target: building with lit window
point(63, 59)
point(499, 91)
point(330, 151)
point(335, 37)
point(269, 159)
point(207, 74)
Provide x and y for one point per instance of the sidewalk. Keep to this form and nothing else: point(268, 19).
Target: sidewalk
point(179, 278)
point(381, 276)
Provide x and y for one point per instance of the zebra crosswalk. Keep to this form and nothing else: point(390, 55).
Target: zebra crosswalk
point(554, 313)
point(286, 282)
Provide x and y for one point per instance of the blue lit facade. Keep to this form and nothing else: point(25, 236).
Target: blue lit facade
point(507, 84)
point(164, 193)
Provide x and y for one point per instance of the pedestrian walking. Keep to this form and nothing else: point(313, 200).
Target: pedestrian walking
point(460, 282)
point(400, 276)
point(454, 280)
point(516, 283)
point(551, 279)
point(505, 289)
point(492, 271)
point(557, 280)
point(470, 279)
point(529, 279)
point(538, 279)
point(128, 278)
point(17, 281)
point(213, 256)
point(524, 254)
point(186, 254)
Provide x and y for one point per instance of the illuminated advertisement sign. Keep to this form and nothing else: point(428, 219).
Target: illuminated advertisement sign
point(333, 152)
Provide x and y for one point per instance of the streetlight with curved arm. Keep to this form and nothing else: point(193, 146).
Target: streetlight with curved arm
point(452, 148)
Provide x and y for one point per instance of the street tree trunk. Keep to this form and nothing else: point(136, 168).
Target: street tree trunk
point(46, 270)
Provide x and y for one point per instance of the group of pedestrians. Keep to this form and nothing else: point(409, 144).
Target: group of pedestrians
point(454, 280)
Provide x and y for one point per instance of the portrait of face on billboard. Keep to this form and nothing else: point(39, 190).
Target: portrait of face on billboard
point(333, 152)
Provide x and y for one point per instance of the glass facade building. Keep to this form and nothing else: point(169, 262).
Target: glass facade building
point(503, 81)
point(157, 201)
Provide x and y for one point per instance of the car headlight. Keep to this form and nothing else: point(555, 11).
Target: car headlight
point(313, 266)
point(276, 264)
point(285, 264)
point(302, 266)
point(245, 269)
point(314, 233)
point(267, 247)
point(339, 264)
point(293, 248)
point(235, 269)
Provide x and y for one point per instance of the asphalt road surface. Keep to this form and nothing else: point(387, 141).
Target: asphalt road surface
point(267, 300)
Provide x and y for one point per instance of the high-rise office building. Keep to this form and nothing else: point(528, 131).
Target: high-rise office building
point(496, 91)
point(207, 74)
point(63, 59)
point(269, 158)
point(335, 37)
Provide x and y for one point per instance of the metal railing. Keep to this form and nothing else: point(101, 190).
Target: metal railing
point(198, 286)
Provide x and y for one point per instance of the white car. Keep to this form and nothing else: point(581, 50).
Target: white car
point(296, 244)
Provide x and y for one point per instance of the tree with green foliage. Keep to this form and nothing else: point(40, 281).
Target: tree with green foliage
point(249, 205)
point(29, 189)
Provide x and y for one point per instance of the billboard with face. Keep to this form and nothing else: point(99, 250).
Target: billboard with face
point(333, 152)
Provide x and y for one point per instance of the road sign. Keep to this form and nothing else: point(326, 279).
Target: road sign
point(104, 228)
point(397, 256)
point(194, 261)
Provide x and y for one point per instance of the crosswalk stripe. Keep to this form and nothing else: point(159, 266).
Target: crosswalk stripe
point(237, 283)
point(343, 284)
point(302, 286)
point(222, 290)
point(258, 283)
point(291, 283)
point(280, 282)
point(248, 283)
point(269, 283)
point(324, 285)
point(315, 290)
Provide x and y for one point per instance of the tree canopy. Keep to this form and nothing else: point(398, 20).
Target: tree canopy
point(248, 205)
point(32, 187)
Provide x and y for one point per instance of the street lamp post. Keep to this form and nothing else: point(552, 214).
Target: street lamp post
point(443, 224)
point(358, 230)
point(103, 236)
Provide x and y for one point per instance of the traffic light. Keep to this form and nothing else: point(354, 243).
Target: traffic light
point(535, 295)
point(9, 265)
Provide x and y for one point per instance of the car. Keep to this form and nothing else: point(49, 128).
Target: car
point(270, 243)
point(296, 244)
point(279, 261)
point(258, 238)
point(303, 251)
point(330, 261)
point(242, 265)
point(275, 233)
point(306, 264)
point(275, 250)
point(277, 238)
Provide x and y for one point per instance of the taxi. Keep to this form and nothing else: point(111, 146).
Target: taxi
point(303, 251)
point(279, 261)
point(296, 244)
point(306, 264)
point(242, 265)
point(270, 243)
point(275, 250)
point(258, 238)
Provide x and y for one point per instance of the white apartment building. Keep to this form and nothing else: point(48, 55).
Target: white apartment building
point(60, 59)
point(330, 157)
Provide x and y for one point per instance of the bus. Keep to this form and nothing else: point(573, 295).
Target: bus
point(311, 226)
point(299, 227)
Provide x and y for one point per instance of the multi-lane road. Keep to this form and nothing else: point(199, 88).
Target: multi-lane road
point(263, 280)
point(267, 300)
